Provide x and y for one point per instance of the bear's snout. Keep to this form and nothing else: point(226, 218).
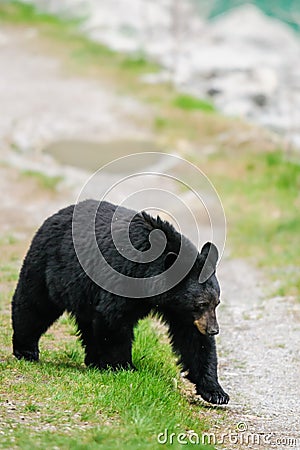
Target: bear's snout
point(207, 323)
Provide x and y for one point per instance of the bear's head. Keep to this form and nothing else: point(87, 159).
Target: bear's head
point(198, 295)
point(209, 292)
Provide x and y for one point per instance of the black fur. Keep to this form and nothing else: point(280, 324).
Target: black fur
point(52, 281)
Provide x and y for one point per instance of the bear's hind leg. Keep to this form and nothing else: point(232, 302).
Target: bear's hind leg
point(30, 320)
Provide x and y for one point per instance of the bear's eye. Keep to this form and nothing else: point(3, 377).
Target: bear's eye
point(203, 304)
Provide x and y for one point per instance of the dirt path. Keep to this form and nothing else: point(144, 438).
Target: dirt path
point(260, 350)
point(259, 341)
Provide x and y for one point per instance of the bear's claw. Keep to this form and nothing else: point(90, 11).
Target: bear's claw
point(216, 397)
point(28, 355)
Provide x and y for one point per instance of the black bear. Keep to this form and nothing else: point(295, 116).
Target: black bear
point(52, 280)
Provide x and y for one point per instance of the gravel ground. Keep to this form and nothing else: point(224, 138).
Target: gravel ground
point(260, 349)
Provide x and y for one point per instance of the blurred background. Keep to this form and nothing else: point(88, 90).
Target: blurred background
point(243, 56)
point(239, 57)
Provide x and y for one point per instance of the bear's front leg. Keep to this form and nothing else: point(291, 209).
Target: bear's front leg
point(199, 358)
point(207, 384)
point(111, 347)
point(112, 354)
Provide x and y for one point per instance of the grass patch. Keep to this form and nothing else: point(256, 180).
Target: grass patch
point(160, 123)
point(8, 273)
point(139, 64)
point(60, 403)
point(261, 196)
point(19, 12)
point(44, 181)
point(8, 239)
point(85, 54)
point(189, 103)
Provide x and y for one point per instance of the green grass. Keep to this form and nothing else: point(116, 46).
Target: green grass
point(160, 123)
point(138, 64)
point(189, 103)
point(8, 239)
point(8, 273)
point(60, 403)
point(18, 12)
point(261, 196)
point(44, 181)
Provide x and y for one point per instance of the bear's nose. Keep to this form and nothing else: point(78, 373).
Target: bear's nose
point(213, 331)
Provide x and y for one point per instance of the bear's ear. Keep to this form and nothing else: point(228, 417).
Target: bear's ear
point(210, 253)
point(170, 258)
